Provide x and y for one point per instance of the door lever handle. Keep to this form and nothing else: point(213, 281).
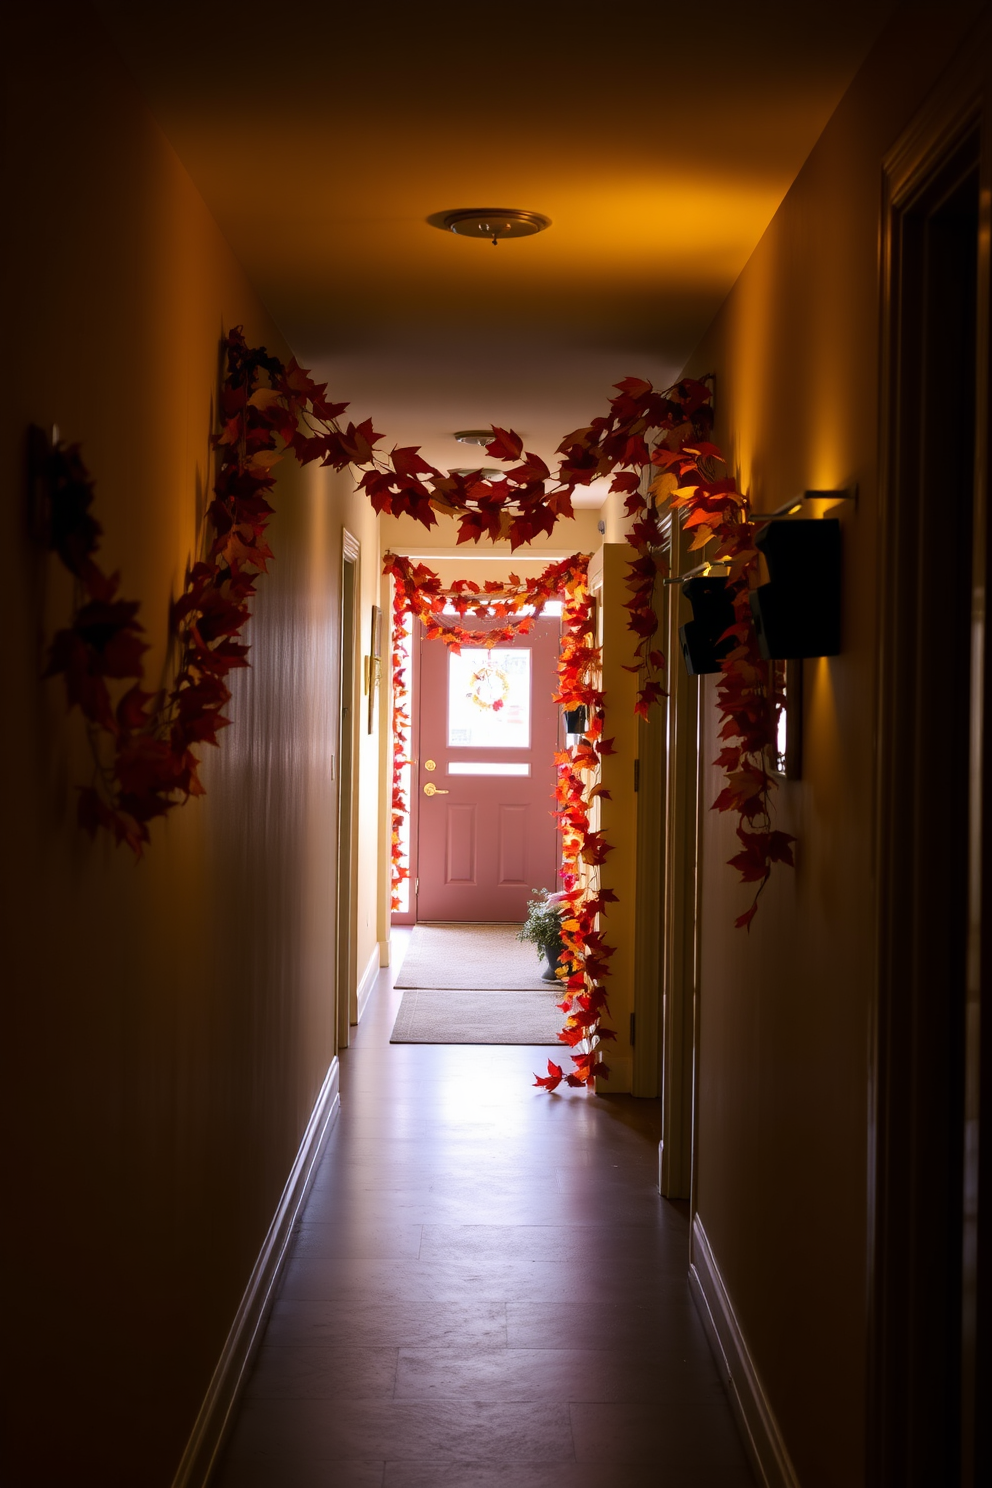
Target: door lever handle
point(430, 789)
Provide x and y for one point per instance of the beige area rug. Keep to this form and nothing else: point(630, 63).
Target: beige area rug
point(471, 958)
point(428, 1016)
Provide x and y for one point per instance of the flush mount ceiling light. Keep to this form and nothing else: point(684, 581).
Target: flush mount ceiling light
point(474, 436)
point(490, 222)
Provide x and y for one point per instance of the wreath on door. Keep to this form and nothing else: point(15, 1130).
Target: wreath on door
point(489, 687)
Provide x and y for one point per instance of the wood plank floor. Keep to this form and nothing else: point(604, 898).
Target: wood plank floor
point(485, 1291)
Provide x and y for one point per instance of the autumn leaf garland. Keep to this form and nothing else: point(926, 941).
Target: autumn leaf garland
point(418, 592)
point(423, 595)
point(683, 475)
point(400, 690)
point(585, 955)
point(138, 773)
point(657, 451)
point(145, 743)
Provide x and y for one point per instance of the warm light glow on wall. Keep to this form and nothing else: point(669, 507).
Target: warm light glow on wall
point(748, 370)
point(822, 734)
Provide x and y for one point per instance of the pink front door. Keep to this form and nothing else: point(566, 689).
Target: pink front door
point(485, 776)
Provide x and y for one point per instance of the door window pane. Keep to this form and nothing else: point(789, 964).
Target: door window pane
point(487, 767)
point(489, 698)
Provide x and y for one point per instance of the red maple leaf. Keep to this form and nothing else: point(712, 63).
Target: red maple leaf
point(132, 710)
point(504, 445)
point(634, 386)
point(407, 461)
point(552, 1079)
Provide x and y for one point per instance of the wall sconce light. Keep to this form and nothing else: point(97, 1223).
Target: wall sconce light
point(808, 504)
point(702, 638)
point(797, 613)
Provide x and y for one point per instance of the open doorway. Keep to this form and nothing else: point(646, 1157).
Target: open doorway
point(347, 866)
point(483, 836)
point(928, 1407)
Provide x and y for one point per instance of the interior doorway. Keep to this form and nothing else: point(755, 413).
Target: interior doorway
point(929, 1380)
point(487, 729)
point(347, 865)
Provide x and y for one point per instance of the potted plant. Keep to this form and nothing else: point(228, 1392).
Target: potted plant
point(542, 928)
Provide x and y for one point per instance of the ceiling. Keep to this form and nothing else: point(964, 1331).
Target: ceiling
point(659, 140)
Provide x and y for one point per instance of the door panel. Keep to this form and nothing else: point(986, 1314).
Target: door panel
point(461, 846)
point(488, 731)
point(512, 846)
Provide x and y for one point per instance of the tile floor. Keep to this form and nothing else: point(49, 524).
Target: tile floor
point(484, 1291)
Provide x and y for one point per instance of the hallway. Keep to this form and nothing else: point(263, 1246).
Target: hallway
point(338, 351)
point(485, 1289)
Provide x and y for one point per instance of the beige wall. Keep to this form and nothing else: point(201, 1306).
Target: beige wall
point(783, 1072)
point(167, 1025)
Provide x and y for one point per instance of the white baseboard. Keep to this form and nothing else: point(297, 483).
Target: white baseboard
point(755, 1417)
point(210, 1429)
point(367, 981)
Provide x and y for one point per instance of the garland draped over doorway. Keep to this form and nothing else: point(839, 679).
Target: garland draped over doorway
point(584, 961)
point(653, 445)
